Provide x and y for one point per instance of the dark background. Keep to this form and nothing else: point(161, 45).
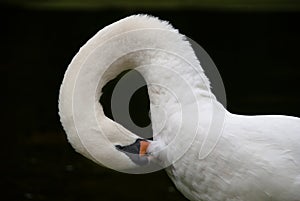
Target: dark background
point(256, 52)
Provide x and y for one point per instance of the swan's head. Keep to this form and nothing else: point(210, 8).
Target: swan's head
point(136, 151)
point(92, 133)
point(101, 139)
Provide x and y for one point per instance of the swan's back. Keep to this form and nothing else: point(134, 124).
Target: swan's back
point(256, 158)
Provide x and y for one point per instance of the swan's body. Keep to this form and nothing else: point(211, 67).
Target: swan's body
point(214, 155)
point(256, 158)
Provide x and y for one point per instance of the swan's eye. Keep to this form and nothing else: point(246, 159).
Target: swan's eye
point(125, 100)
point(136, 151)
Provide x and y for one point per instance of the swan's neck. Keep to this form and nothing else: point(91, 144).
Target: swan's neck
point(178, 90)
point(177, 87)
point(171, 77)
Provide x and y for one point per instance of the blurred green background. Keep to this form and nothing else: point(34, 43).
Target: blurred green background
point(255, 45)
point(264, 5)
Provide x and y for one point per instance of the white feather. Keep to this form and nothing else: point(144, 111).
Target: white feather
point(249, 158)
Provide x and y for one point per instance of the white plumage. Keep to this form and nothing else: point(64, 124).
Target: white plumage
point(209, 153)
point(256, 158)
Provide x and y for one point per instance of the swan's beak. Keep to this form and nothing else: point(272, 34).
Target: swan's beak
point(143, 147)
point(136, 151)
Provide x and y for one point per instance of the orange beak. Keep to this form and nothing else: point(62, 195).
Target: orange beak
point(143, 147)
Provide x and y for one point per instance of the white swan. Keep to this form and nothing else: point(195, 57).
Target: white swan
point(209, 153)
